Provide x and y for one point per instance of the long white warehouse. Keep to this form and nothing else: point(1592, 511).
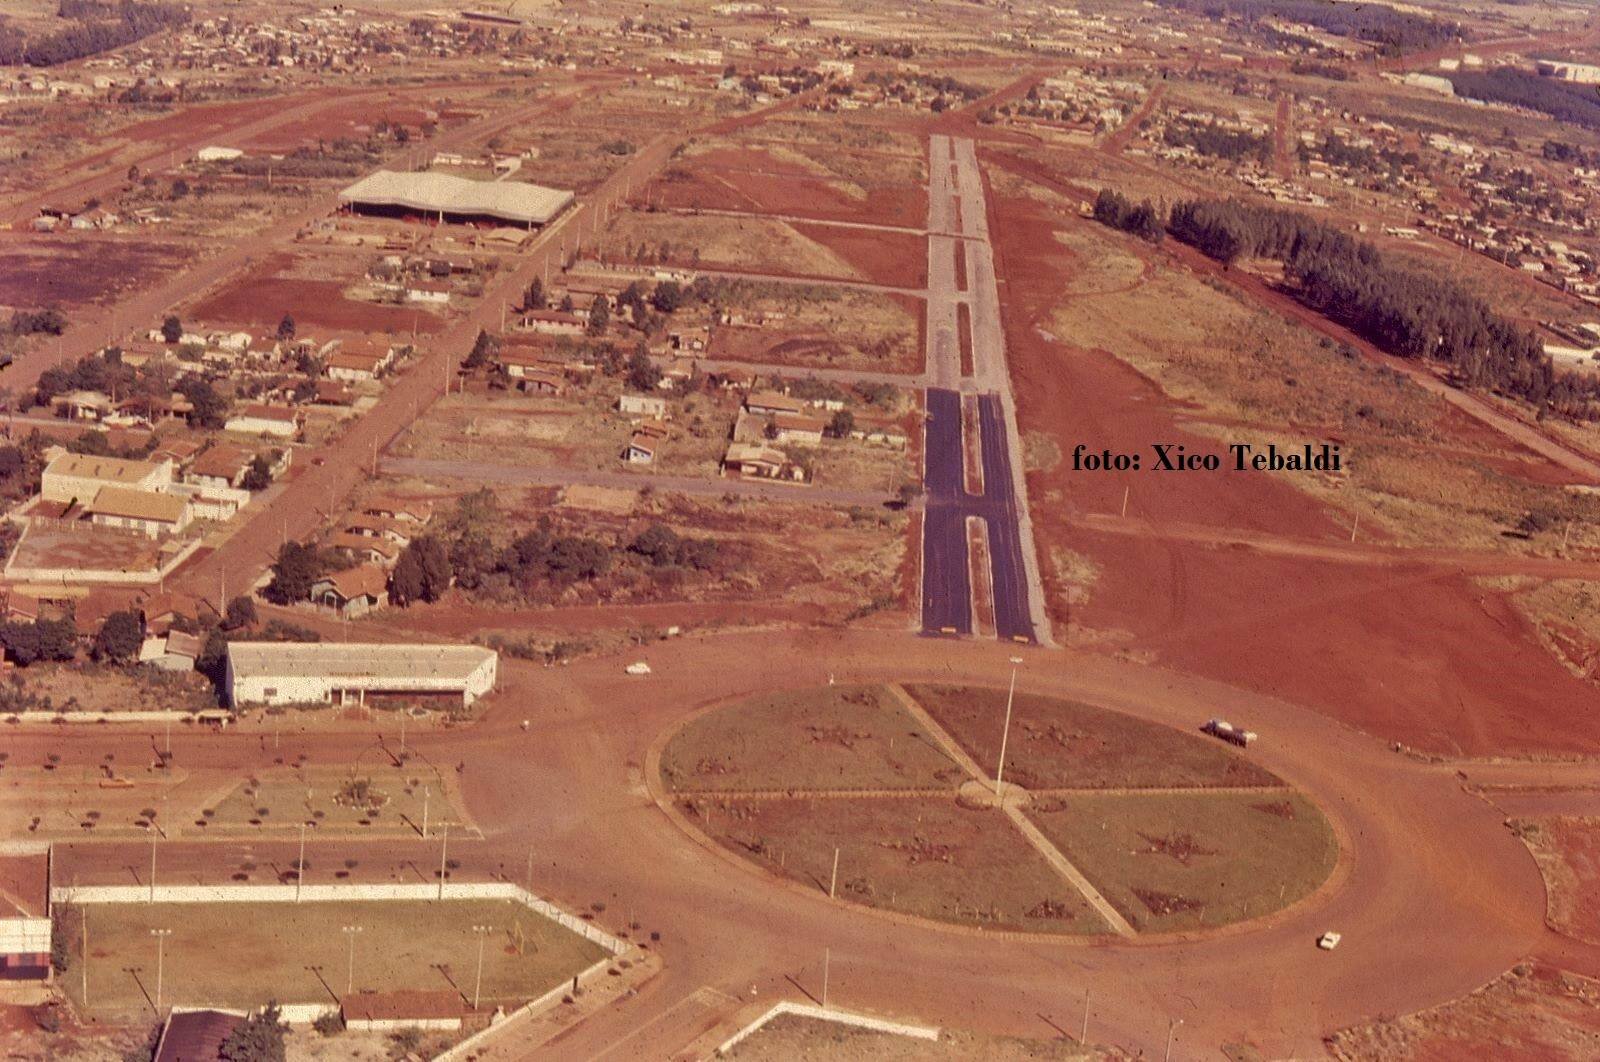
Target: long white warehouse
point(286, 673)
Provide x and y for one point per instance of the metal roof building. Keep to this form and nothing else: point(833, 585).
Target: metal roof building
point(457, 197)
point(287, 673)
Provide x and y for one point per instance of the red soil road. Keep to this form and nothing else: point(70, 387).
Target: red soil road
point(1119, 137)
point(1438, 899)
point(1426, 659)
point(1282, 160)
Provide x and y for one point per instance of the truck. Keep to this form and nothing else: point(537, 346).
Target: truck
point(1221, 728)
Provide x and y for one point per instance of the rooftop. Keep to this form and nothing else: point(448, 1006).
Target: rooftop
point(138, 504)
point(106, 469)
point(357, 659)
point(440, 192)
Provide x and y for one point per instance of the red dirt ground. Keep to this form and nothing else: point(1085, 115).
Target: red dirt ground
point(1426, 659)
point(262, 300)
point(728, 179)
point(348, 119)
point(64, 270)
point(1578, 841)
point(896, 258)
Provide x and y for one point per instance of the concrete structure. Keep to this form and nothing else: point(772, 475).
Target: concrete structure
point(147, 512)
point(283, 673)
point(78, 477)
point(642, 405)
point(280, 422)
point(441, 195)
point(415, 1009)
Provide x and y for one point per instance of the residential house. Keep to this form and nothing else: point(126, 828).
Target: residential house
point(173, 651)
point(389, 528)
point(282, 422)
point(768, 403)
point(642, 405)
point(367, 548)
point(354, 592)
point(224, 465)
point(757, 462)
point(798, 429)
point(416, 512)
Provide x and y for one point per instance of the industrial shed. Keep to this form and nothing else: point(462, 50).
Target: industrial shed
point(286, 673)
point(455, 198)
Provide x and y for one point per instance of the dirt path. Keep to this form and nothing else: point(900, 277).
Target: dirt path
point(1118, 138)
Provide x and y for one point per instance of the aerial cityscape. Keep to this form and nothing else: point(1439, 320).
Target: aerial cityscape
point(949, 529)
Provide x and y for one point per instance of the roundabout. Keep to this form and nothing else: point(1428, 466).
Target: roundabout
point(1102, 823)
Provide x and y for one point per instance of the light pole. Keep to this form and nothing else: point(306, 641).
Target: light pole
point(444, 846)
point(1000, 768)
point(1172, 1028)
point(300, 865)
point(477, 988)
point(161, 936)
point(424, 813)
point(154, 833)
point(350, 969)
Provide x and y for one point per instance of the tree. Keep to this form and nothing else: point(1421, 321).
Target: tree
point(286, 329)
point(119, 637)
point(535, 298)
point(58, 639)
point(259, 475)
point(172, 328)
point(567, 305)
point(599, 315)
point(667, 296)
point(298, 566)
point(423, 572)
point(484, 349)
point(642, 372)
point(210, 407)
point(842, 424)
point(241, 613)
point(259, 1038)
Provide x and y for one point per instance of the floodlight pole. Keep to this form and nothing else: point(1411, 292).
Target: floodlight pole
point(1000, 768)
point(424, 813)
point(477, 988)
point(350, 969)
point(300, 867)
point(1083, 1036)
point(827, 956)
point(154, 833)
point(444, 846)
point(161, 936)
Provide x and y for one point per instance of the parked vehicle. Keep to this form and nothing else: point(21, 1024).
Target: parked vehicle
point(1329, 940)
point(1225, 730)
point(638, 668)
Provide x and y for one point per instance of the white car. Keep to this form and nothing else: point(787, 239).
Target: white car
point(1329, 940)
point(639, 668)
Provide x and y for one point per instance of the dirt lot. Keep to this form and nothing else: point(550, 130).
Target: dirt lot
point(783, 181)
point(927, 857)
point(261, 296)
point(794, 1037)
point(1567, 850)
point(71, 269)
point(1533, 1013)
point(843, 737)
point(1057, 744)
point(760, 245)
point(1176, 861)
point(245, 955)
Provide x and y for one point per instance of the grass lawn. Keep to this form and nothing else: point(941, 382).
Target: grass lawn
point(244, 955)
point(838, 737)
point(369, 798)
point(1056, 743)
point(1188, 860)
point(927, 857)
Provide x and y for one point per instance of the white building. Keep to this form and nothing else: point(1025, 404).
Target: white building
point(78, 477)
point(284, 673)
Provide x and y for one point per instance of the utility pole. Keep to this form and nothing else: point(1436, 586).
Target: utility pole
point(161, 936)
point(833, 882)
point(154, 833)
point(477, 988)
point(1000, 767)
point(425, 793)
point(1172, 1028)
point(827, 956)
point(350, 969)
point(84, 958)
point(1083, 1035)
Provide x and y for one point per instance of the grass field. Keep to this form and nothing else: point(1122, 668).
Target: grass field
point(927, 857)
point(852, 737)
point(1056, 743)
point(244, 955)
point(1175, 861)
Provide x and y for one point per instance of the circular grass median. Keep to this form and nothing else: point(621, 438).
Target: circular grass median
point(1107, 824)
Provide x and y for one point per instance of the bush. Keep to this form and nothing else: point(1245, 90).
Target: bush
point(329, 1024)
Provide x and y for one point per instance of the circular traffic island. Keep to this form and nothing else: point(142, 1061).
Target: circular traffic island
point(1101, 823)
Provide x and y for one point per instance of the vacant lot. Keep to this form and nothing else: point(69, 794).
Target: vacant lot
point(72, 269)
point(760, 245)
point(1530, 1014)
point(1176, 861)
point(245, 955)
point(367, 798)
point(841, 737)
point(1061, 744)
point(929, 857)
point(1567, 850)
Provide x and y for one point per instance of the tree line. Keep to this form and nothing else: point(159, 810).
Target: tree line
point(1561, 100)
point(95, 28)
point(1392, 30)
point(1400, 310)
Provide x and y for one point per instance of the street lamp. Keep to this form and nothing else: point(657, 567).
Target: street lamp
point(477, 988)
point(350, 970)
point(1000, 767)
point(161, 936)
point(1172, 1028)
